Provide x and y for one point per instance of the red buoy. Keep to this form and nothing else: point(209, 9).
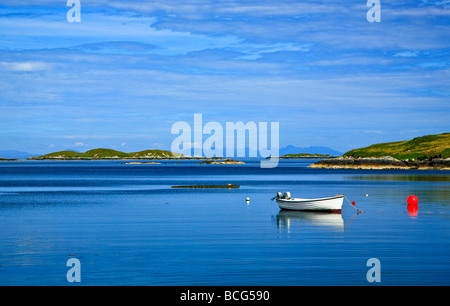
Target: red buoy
point(353, 203)
point(412, 200)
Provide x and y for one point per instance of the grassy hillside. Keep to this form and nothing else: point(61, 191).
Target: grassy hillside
point(419, 148)
point(107, 153)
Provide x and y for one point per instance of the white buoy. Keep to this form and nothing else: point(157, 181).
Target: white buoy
point(367, 195)
point(248, 199)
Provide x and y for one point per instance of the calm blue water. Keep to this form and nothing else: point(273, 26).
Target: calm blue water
point(127, 226)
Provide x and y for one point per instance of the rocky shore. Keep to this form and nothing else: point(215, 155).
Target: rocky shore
point(386, 162)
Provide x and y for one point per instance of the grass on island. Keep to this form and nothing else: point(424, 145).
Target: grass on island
point(108, 153)
point(420, 148)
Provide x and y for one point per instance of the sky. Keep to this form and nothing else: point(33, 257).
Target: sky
point(129, 70)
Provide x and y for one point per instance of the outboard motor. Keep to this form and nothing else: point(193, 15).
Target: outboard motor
point(287, 195)
point(278, 196)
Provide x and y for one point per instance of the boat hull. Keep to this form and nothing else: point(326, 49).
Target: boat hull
point(331, 204)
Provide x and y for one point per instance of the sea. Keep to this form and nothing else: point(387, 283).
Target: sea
point(126, 225)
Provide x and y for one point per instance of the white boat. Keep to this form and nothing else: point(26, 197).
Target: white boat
point(330, 204)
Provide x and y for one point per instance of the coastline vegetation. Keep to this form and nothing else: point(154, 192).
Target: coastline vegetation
point(430, 152)
point(420, 148)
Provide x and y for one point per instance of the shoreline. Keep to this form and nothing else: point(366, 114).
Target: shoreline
point(381, 163)
point(304, 157)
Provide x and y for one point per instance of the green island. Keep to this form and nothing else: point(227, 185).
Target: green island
point(108, 154)
point(430, 152)
point(134, 158)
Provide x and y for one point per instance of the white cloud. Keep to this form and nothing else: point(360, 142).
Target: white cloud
point(25, 66)
point(79, 144)
point(406, 54)
point(120, 35)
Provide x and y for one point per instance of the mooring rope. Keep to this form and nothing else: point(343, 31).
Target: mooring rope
point(359, 210)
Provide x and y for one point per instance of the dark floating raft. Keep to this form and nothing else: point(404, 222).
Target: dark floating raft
point(208, 186)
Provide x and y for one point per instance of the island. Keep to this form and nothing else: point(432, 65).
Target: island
point(221, 162)
point(134, 158)
point(306, 156)
point(9, 159)
point(431, 152)
point(229, 186)
point(109, 154)
point(141, 163)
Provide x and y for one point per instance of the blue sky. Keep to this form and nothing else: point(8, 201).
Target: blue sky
point(130, 69)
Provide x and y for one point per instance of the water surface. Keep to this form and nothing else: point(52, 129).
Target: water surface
point(127, 226)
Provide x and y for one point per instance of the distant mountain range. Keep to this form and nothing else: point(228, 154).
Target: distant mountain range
point(13, 154)
point(309, 150)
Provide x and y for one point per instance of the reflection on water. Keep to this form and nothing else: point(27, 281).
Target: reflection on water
point(413, 210)
point(331, 221)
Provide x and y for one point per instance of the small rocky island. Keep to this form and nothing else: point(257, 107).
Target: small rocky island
point(8, 159)
point(305, 156)
point(431, 152)
point(141, 163)
point(221, 162)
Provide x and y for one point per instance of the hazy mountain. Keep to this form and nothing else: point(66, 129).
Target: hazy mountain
point(13, 154)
